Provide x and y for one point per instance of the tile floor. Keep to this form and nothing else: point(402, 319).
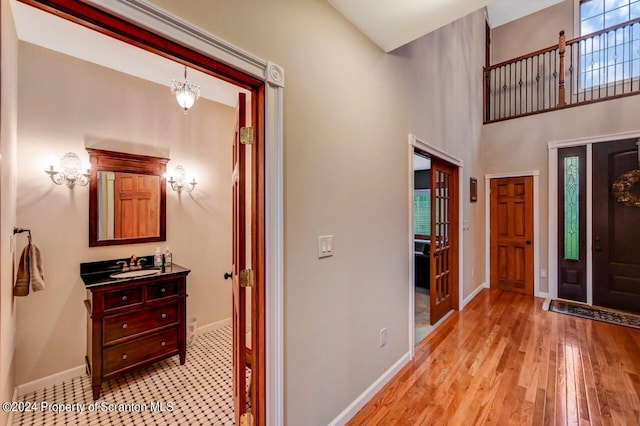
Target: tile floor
point(166, 393)
point(422, 317)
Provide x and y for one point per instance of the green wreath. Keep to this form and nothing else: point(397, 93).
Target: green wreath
point(622, 189)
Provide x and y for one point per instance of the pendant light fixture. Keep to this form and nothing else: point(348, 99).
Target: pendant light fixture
point(186, 93)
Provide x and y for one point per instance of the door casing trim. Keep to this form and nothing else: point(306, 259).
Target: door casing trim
point(415, 142)
point(146, 15)
point(553, 204)
point(536, 226)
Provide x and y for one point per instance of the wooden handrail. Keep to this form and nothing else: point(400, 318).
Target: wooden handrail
point(529, 90)
point(523, 57)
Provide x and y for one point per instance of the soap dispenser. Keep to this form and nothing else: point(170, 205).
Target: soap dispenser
point(157, 258)
point(167, 257)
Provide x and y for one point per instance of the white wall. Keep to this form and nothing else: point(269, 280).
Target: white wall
point(75, 104)
point(348, 110)
point(8, 171)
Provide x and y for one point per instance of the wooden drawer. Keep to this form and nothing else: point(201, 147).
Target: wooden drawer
point(165, 289)
point(123, 297)
point(140, 350)
point(128, 324)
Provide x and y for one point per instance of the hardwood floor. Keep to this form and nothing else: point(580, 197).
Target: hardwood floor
point(503, 360)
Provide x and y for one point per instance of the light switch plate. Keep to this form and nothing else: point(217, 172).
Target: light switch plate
point(325, 246)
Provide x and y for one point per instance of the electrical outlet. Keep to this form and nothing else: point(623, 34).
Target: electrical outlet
point(383, 337)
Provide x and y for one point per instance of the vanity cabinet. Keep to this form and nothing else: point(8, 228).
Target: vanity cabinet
point(133, 323)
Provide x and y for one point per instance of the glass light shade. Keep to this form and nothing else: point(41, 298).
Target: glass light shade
point(71, 165)
point(186, 93)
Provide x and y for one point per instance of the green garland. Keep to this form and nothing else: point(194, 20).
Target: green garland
point(622, 189)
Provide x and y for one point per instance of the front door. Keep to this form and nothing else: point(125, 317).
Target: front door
point(616, 233)
point(511, 232)
point(444, 239)
point(239, 262)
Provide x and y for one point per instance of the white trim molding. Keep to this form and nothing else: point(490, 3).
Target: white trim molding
point(415, 142)
point(364, 397)
point(473, 294)
point(48, 381)
point(147, 15)
point(536, 225)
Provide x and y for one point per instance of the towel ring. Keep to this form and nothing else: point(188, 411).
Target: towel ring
point(17, 230)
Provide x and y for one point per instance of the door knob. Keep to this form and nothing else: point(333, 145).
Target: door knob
point(228, 275)
point(597, 248)
point(528, 242)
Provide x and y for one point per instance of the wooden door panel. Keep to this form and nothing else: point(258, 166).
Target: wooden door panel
point(616, 234)
point(444, 240)
point(239, 257)
point(572, 223)
point(512, 234)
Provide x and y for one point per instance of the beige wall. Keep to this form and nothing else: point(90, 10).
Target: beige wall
point(74, 104)
point(8, 171)
point(348, 108)
point(523, 144)
point(533, 32)
point(445, 80)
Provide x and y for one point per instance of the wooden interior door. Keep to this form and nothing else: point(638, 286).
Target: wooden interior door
point(239, 260)
point(616, 234)
point(136, 206)
point(444, 239)
point(512, 234)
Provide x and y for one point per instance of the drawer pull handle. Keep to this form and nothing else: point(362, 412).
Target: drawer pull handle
point(163, 290)
point(125, 325)
point(163, 343)
point(164, 316)
point(124, 298)
point(124, 356)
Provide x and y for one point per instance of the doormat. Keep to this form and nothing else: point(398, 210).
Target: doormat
point(596, 313)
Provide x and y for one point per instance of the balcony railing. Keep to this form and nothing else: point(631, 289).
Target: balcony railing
point(596, 67)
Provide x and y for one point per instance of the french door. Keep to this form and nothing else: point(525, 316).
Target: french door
point(444, 239)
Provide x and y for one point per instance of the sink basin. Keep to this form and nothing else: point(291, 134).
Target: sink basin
point(136, 273)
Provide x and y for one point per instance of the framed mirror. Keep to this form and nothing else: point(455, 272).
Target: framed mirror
point(127, 198)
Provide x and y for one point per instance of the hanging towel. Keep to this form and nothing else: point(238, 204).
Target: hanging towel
point(21, 287)
point(30, 273)
point(36, 274)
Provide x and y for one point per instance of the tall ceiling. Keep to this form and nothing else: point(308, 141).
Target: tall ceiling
point(394, 23)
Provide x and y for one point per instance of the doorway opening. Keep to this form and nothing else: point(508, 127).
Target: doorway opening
point(434, 240)
point(248, 75)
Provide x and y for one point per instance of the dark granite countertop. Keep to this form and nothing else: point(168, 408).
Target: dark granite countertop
point(99, 273)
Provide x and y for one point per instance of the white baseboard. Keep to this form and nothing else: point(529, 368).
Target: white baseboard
point(74, 372)
point(213, 326)
point(473, 294)
point(370, 392)
point(543, 295)
point(51, 380)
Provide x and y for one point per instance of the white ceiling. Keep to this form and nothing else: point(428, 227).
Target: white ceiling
point(394, 23)
point(47, 30)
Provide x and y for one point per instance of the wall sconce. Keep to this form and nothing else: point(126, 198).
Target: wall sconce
point(180, 181)
point(186, 93)
point(70, 175)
